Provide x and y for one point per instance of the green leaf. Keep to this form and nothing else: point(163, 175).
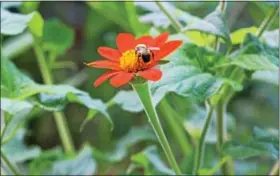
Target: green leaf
point(213, 24)
point(253, 62)
point(42, 164)
point(117, 12)
point(36, 25)
point(135, 25)
point(12, 23)
point(57, 36)
point(82, 164)
point(238, 36)
point(151, 162)
point(156, 17)
point(262, 143)
point(29, 6)
point(17, 151)
point(133, 137)
point(49, 97)
point(18, 111)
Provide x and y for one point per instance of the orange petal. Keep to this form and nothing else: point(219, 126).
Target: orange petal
point(104, 77)
point(152, 74)
point(125, 41)
point(147, 40)
point(121, 79)
point(167, 48)
point(105, 64)
point(161, 39)
point(109, 53)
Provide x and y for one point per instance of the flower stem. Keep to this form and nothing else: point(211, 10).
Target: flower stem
point(174, 22)
point(9, 164)
point(59, 116)
point(200, 151)
point(267, 22)
point(176, 129)
point(144, 95)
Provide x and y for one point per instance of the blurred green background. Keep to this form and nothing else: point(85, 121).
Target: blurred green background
point(97, 24)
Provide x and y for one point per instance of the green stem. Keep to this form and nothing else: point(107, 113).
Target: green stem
point(175, 127)
point(174, 22)
point(9, 164)
point(144, 95)
point(201, 143)
point(267, 22)
point(275, 169)
point(59, 116)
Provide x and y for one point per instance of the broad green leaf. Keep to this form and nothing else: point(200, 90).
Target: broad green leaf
point(272, 3)
point(57, 36)
point(200, 38)
point(29, 6)
point(135, 25)
point(49, 97)
point(43, 163)
point(128, 101)
point(263, 143)
point(36, 25)
point(117, 12)
point(12, 23)
point(213, 24)
point(238, 36)
point(82, 164)
point(133, 137)
point(151, 162)
point(17, 151)
point(253, 62)
point(18, 111)
point(239, 151)
point(159, 19)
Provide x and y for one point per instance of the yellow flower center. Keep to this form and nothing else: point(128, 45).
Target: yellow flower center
point(130, 62)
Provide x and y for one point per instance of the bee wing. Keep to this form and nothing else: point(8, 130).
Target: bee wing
point(154, 48)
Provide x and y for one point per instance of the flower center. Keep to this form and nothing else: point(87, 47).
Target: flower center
point(131, 62)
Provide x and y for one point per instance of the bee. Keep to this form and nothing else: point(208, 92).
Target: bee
point(145, 53)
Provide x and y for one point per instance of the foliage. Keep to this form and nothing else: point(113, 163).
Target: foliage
point(235, 66)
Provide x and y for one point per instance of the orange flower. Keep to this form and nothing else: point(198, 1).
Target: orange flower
point(134, 57)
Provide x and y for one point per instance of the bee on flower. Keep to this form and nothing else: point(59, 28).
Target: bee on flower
point(134, 57)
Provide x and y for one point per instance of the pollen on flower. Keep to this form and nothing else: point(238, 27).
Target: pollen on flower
point(130, 62)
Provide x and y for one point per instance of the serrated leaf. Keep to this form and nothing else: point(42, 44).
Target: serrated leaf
point(36, 25)
point(57, 36)
point(213, 24)
point(151, 162)
point(12, 23)
point(48, 97)
point(238, 36)
point(133, 137)
point(82, 164)
point(17, 151)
